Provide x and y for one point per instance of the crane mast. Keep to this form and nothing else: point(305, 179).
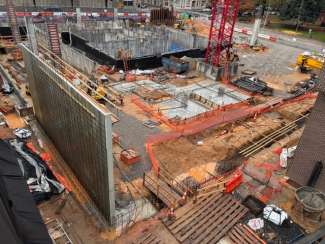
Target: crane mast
point(223, 18)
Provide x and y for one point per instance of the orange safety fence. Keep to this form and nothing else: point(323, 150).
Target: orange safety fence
point(154, 161)
point(185, 124)
point(209, 120)
point(308, 95)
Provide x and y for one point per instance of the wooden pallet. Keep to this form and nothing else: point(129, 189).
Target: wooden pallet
point(242, 234)
point(207, 220)
point(163, 191)
point(148, 238)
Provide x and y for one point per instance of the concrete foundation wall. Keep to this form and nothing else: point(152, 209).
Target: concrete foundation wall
point(186, 39)
point(58, 3)
point(26, 3)
point(141, 42)
point(77, 59)
point(79, 128)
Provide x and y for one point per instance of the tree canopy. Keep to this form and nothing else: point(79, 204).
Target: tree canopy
point(308, 10)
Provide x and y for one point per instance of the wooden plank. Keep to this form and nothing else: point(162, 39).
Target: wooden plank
point(242, 234)
point(213, 217)
point(161, 190)
point(197, 220)
point(194, 212)
point(209, 228)
point(148, 238)
point(191, 206)
point(203, 194)
point(253, 233)
point(253, 237)
point(144, 237)
point(227, 225)
point(234, 237)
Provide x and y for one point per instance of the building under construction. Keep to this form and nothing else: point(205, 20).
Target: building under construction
point(131, 125)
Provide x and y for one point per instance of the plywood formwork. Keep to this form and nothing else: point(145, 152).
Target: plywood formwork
point(79, 128)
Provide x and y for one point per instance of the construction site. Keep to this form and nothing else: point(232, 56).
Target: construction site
point(141, 127)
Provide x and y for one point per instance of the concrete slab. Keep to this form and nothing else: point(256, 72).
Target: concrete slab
point(189, 110)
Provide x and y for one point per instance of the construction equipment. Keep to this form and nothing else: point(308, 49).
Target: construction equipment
point(223, 18)
point(253, 84)
point(184, 24)
point(130, 156)
point(308, 61)
point(175, 65)
point(179, 25)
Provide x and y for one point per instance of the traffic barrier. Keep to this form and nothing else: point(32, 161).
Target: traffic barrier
point(261, 35)
point(236, 180)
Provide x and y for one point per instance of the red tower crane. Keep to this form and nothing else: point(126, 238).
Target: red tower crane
point(223, 18)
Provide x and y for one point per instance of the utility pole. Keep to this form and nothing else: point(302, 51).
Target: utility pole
point(78, 11)
point(257, 25)
point(267, 13)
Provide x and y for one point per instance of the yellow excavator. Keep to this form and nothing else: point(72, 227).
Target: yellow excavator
point(183, 24)
point(310, 61)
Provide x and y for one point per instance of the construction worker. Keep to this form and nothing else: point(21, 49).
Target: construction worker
point(171, 214)
point(182, 201)
point(121, 100)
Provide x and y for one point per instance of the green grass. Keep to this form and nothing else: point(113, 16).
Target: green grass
point(288, 26)
point(316, 35)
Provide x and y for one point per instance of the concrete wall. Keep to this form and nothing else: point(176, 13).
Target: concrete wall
point(79, 128)
point(77, 59)
point(26, 3)
point(58, 3)
point(187, 39)
point(141, 41)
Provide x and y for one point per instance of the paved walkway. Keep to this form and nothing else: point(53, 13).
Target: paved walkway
point(134, 135)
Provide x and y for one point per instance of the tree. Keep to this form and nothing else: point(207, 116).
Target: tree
point(246, 5)
point(302, 10)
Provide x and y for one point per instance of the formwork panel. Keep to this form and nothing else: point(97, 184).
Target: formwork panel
point(79, 128)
